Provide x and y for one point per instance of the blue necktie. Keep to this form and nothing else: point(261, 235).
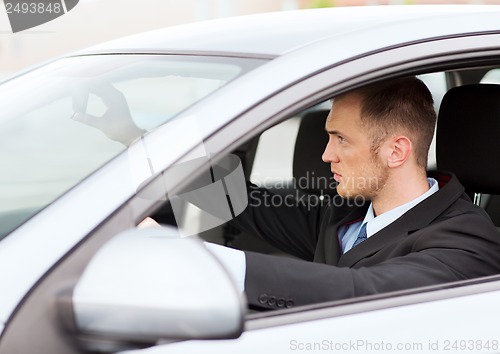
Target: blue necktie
point(361, 236)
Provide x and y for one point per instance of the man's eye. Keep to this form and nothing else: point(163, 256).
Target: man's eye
point(340, 139)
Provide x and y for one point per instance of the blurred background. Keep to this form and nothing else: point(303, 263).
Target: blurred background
point(96, 21)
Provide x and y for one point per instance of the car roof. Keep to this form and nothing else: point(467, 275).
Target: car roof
point(274, 34)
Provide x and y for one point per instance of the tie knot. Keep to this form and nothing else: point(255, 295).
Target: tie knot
point(361, 235)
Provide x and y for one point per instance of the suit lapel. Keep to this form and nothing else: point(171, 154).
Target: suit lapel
point(394, 232)
point(330, 248)
point(414, 219)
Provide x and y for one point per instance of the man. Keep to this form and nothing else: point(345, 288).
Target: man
point(412, 231)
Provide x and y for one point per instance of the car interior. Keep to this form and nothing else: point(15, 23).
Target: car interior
point(291, 151)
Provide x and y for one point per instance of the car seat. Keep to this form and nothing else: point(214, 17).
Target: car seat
point(467, 142)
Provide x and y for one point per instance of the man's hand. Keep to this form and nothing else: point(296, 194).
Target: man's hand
point(148, 223)
point(116, 123)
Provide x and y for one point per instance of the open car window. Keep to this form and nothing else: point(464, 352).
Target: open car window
point(273, 166)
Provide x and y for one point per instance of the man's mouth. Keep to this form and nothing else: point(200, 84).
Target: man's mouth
point(336, 176)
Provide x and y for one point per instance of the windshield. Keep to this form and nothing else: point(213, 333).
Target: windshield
point(60, 123)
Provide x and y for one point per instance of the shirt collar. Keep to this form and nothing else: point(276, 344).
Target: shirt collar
point(377, 223)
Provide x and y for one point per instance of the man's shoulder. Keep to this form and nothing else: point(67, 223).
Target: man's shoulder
point(452, 189)
point(462, 207)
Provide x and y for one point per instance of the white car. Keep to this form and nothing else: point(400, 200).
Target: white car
point(95, 142)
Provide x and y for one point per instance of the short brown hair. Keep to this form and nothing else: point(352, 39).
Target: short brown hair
point(400, 104)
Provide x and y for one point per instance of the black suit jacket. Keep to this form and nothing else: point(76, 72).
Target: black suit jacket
point(442, 239)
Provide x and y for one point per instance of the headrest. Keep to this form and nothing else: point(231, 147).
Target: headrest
point(468, 136)
point(310, 172)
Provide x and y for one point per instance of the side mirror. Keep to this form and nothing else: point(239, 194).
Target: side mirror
point(146, 285)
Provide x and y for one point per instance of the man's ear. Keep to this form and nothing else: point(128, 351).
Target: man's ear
point(399, 150)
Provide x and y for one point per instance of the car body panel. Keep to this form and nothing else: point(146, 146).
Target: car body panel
point(365, 332)
point(275, 34)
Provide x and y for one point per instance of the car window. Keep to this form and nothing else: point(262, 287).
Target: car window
point(491, 77)
point(272, 169)
point(436, 82)
point(274, 155)
point(63, 121)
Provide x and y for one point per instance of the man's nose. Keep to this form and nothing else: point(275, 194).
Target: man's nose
point(324, 157)
point(329, 155)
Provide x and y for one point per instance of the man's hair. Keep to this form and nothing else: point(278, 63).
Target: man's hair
point(398, 106)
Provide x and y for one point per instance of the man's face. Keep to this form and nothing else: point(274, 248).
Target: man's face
point(358, 170)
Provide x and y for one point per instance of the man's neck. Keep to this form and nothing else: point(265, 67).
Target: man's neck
point(399, 191)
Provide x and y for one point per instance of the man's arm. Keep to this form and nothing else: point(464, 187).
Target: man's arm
point(444, 252)
point(290, 223)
